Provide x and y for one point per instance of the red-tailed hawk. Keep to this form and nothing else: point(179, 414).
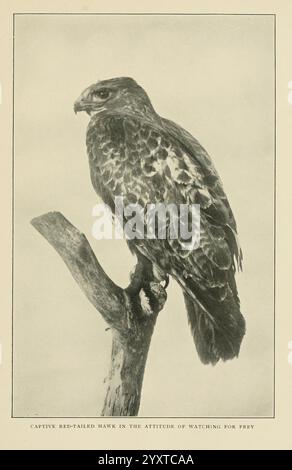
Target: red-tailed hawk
point(136, 154)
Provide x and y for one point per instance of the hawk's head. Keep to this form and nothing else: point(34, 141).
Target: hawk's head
point(115, 94)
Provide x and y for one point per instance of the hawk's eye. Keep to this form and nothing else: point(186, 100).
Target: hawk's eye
point(102, 94)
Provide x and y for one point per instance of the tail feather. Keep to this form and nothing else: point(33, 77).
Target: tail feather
point(217, 326)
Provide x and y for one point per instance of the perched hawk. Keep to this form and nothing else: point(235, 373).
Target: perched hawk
point(136, 154)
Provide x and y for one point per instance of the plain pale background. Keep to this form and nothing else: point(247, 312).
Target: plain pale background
point(212, 75)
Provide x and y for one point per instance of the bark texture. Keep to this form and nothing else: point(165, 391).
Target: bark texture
point(131, 313)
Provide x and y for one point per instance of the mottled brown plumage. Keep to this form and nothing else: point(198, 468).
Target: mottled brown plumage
point(135, 153)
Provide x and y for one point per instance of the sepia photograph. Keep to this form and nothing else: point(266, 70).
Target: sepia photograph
point(144, 191)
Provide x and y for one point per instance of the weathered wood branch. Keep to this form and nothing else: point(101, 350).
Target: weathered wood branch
point(131, 313)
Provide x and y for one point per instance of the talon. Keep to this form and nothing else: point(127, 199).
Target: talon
point(166, 282)
point(159, 293)
point(145, 303)
point(160, 275)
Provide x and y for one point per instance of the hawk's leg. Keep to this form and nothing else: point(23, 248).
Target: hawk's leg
point(148, 285)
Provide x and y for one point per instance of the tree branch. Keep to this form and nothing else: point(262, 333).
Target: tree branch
point(131, 312)
point(76, 252)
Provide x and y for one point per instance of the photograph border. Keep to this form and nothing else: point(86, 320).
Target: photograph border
point(273, 416)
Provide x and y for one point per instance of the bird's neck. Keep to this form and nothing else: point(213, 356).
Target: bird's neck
point(144, 112)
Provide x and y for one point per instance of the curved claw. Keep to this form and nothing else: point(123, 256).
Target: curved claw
point(166, 281)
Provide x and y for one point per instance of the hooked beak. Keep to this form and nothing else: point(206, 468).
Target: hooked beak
point(83, 105)
point(79, 106)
